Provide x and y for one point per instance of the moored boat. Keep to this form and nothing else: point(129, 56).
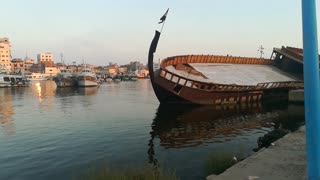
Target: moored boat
point(36, 77)
point(9, 80)
point(133, 78)
point(87, 79)
point(116, 78)
point(65, 79)
point(209, 79)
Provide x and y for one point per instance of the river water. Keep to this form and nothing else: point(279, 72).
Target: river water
point(59, 133)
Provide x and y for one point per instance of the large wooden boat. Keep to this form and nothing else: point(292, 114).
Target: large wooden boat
point(210, 79)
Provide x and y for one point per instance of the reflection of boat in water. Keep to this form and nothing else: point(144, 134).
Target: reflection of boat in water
point(71, 91)
point(204, 79)
point(65, 79)
point(88, 91)
point(67, 91)
point(192, 126)
point(185, 126)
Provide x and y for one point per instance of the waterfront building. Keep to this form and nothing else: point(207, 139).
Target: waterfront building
point(123, 69)
point(28, 63)
point(98, 70)
point(142, 72)
point(45, 57)
point(112, 69)
point(5, 54)
point(135, 65)
point(27, 67)
point(51, 70)
point(28, 60)
point(156, 66)
point(17, 65)
point(46, 64)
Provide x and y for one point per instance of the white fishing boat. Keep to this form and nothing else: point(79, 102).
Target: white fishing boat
point(36, 77)
point(87, 78)
point(9, 80)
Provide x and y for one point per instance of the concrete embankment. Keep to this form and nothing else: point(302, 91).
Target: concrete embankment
point(284, 160)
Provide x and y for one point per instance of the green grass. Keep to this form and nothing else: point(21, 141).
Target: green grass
point(144, 173)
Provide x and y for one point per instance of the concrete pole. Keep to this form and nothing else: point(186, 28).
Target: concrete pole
point(311, 87)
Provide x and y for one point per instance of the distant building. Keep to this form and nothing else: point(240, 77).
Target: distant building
point(28, 63)
point(17, 65)
point(45, 65)
point(98, 70)
point(27, 60)
point(51, 71)
point(135, 65)
point(5, 54)
point(112, 69)
point(142, 72)
point(123, 69)
point(45, 57)
point(156, 66)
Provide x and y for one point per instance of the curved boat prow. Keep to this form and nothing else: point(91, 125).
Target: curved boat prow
point(152, 50)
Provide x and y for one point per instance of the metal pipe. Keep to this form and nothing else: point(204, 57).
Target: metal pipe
point(311, 87)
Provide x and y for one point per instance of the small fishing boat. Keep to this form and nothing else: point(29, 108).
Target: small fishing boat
point(133, 78)
point(116, 78)
point(125, 78)
point(65, 79)
point(9, 80)
point(87, 78)
point(36, 77)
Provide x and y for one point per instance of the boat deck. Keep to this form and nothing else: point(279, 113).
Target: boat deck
point(239, 74)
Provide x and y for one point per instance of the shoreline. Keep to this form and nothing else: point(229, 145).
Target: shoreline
point(284, 160)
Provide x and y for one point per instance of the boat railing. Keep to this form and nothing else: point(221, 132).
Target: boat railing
point(205, 86)
point(214, 59)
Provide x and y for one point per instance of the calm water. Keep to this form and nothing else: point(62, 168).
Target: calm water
point(50, 133)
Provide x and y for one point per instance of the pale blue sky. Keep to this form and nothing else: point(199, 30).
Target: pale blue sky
point(100, 31)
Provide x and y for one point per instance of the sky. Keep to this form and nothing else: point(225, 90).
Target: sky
point(102, 31)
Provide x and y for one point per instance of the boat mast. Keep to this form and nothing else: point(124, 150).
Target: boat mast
point(261, 51)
